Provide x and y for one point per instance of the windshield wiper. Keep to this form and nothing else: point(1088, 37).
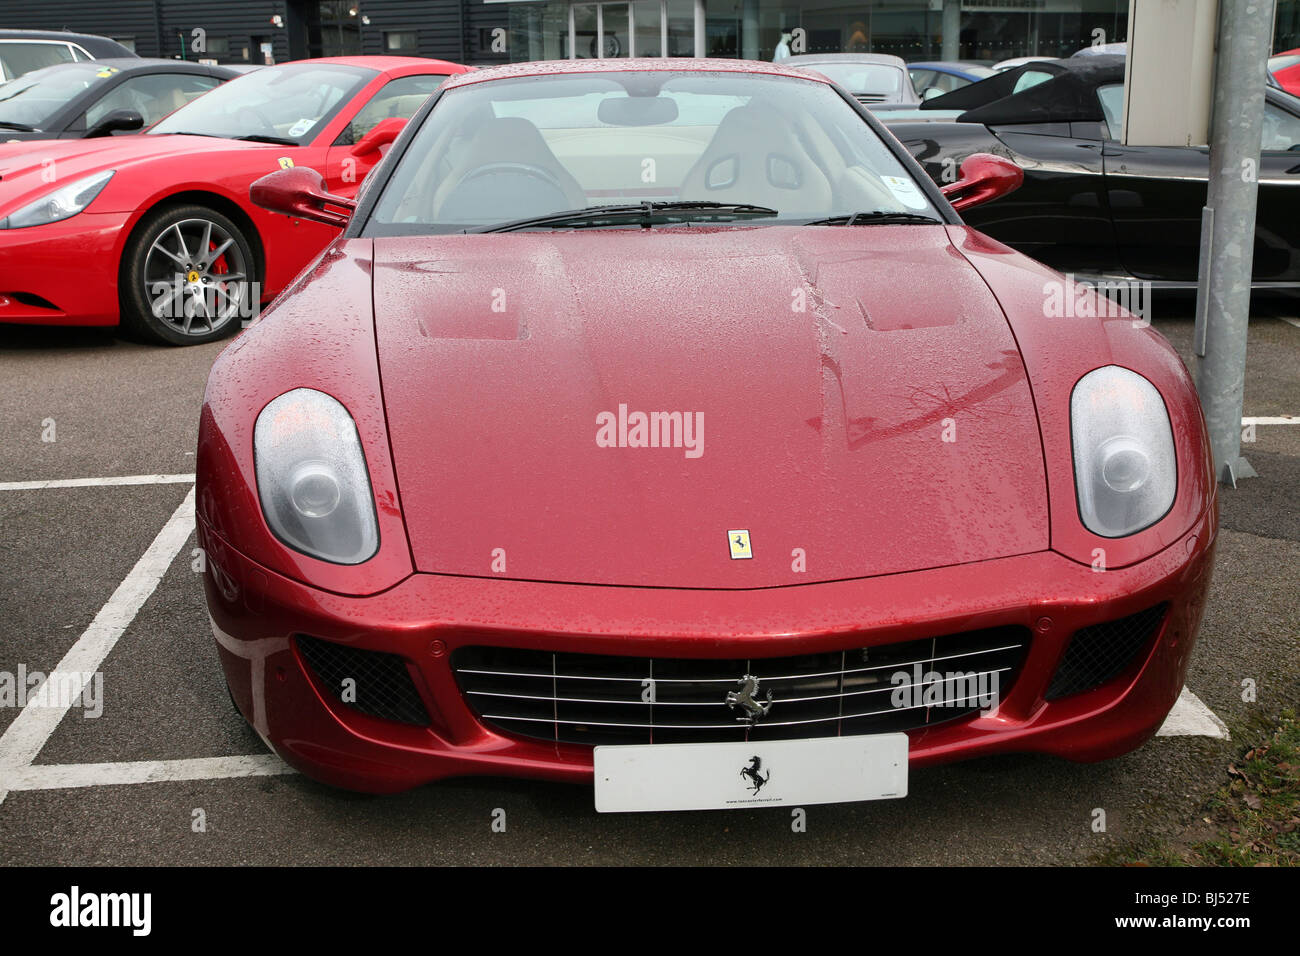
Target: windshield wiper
point(21, 127)
point(877, 217)
point(645, 214)
point(263, 138)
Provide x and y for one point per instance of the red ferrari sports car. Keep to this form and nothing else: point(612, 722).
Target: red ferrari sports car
point(658, 425)
point(157, 232)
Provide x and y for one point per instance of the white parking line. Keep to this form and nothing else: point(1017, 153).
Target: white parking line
point(1273, 420)
point(96, 482)
point(1290, 321)
point(24, 738)
point(1191, 718)
point(67, 776)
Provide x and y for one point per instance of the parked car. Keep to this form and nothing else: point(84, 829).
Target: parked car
point(22, 51)
point(89, 99)
point(1285, 69)
point(1089, 204)
point(159, 225)
point(934, 79)
point(873, 78)
point(672, 462)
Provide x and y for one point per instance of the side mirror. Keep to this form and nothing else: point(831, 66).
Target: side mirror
point(931, 92)
point(300, 192)
point(384, 132)
point(115, 121)
point(983, 178)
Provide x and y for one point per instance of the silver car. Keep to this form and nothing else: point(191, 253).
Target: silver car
point(872, 78)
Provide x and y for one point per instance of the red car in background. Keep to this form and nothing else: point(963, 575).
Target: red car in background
point(156, 231)
point(1285, 67)
point(658, 425)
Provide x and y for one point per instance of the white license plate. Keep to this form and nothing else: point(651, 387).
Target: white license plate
point(653, 777)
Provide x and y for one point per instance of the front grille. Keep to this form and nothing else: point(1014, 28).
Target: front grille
point(595, 699)
point(1098, 653)
point(383, 685)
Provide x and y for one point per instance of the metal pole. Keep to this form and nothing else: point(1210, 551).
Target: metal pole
point(1223, 301)
point(951, 30)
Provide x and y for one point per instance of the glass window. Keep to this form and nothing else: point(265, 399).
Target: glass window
point(860, 77)
point(287, 104)
point(23, 56)
point(33, 100)
point(400, 98)
point(1031, 78)
point(153, 97)
point(508, 149)
point(1281, 129)
point(1112, 107)
point(401, 42)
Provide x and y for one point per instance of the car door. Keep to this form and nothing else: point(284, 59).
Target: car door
point(1059, 214)
point(400, 98)
point(1277, 217)
point(1156, 194)
point(152, 95)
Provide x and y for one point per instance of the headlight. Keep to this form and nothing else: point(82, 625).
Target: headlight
point(1125, 473)
point(64, 203)
point(312, 478)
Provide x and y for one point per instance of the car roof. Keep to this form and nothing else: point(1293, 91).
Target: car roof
point(90, 41)
point(631, 65)
point(953, 65)
point(885, 59)
point(133, 63)
point(1066, 97)
point(380, 63)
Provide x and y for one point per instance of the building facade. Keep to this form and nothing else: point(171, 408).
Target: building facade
point(483, 32)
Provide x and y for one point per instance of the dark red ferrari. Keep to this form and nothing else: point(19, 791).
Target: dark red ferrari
point(658, 425)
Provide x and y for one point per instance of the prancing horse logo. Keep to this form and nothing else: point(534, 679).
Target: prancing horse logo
point(745, 698)
point(752, 772)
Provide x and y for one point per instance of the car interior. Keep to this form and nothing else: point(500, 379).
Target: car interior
point(758, 153)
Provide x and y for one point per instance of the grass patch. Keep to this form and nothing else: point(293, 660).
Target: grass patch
point(1253, 820)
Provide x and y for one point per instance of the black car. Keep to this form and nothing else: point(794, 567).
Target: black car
point(1089, 204)
point(22, 51)
point(98, 97)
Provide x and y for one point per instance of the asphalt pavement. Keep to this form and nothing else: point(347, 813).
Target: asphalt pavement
point(116, 408)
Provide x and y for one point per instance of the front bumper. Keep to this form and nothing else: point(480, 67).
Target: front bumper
point(424, 619)
point(63, 273)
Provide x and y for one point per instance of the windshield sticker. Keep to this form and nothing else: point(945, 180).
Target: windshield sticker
point(300, 127)
point(905, 191)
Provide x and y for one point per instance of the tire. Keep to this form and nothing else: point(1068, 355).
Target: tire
point(172, 292)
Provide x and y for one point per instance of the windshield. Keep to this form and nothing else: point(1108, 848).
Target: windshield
point(34, 99)
point(861, 77)
point(505, 150)
point(288, 103)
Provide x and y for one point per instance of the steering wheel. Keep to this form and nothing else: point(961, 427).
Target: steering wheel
point(522, 169)
point(262, 118)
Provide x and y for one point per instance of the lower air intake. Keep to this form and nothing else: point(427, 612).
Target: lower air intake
point(383, 685)
point(1101, 652)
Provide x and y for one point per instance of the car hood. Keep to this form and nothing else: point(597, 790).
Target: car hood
point(28, 170)
point(858, 404)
